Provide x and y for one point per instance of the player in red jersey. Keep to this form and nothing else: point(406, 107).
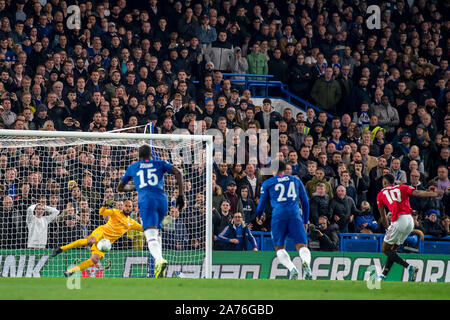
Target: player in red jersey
point(396, 199)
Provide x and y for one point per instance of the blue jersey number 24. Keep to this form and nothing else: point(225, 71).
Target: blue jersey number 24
point(290, 193)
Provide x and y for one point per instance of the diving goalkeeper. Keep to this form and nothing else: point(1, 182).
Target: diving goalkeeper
point(118, 224)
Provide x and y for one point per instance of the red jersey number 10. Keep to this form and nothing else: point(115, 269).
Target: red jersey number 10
point(393, 195)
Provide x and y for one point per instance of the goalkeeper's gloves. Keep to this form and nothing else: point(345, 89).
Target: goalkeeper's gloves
point(180, 202)
point(109, 203)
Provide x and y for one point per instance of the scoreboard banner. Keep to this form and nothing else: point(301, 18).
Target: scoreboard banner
point(226, 265)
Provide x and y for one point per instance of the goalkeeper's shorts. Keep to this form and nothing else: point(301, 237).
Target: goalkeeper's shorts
point(97, 234)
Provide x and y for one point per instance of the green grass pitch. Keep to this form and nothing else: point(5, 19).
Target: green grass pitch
point(216, 289)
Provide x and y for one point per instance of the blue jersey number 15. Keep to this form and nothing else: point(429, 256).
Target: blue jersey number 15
point(152, 178)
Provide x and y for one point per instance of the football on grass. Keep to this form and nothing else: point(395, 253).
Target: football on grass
point(104, 245)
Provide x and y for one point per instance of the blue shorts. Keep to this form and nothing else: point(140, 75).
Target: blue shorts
point(153, 211)
point(292, 228)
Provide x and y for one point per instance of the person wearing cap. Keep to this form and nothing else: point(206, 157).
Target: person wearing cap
point(238, 64)
point(205, 33)
point(432, 226)
point(231, 195)
point(231, 117)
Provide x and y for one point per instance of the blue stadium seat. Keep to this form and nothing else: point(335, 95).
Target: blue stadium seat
point(433, 246)
point(360, 245)
point(358, 242)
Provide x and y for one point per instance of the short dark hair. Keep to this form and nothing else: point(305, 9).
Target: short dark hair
point(144, 152)
point(389, 178)
point(280, 164)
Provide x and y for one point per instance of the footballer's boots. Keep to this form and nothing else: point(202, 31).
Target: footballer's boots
point(412, 273)
point(381, 277)
point(68, 274)
point(293, 274)
point(56, 252)
point(160, 269)
point(307, 271)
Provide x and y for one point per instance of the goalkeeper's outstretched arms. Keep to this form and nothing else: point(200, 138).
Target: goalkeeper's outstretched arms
point(179, 177)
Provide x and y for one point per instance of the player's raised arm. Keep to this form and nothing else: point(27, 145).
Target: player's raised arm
point(427, 194)
point(179, 177)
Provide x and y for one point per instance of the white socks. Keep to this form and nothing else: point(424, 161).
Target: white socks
point(284, 259)
point(154, 245)
point(305, 256)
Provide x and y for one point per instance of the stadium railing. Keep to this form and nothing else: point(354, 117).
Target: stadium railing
point(247, 81)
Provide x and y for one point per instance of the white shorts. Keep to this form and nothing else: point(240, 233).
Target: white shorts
point(399, 230)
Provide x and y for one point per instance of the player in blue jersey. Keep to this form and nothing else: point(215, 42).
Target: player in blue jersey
point(148, 181)
point(284, 192)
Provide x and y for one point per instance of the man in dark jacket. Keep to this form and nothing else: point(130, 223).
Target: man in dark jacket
point(432, 226)
point(299, 76)
point(278, 67)
point(221, 218)
point(327, 234)
point(342, 209)
point(236, 236)
point(248, 205)
point(326, 92)
point(320, 204)
point(268, 118)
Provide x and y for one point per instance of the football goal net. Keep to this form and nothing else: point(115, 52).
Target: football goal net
point(54, 183)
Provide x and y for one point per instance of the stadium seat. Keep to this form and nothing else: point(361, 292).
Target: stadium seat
point(356, 242)
point(433, 246)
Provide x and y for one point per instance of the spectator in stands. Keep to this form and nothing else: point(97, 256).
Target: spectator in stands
point(232, 197)
point(326, 92)
point(268, 117)
point(38, 224)
point(174, 232)
point(364, 221)
point(257, 64)
point(319, 204)
point(237, 236)
point(221, 218)
point(342, 209)
point(445, 223)
point(248, 205)
point(220, 52)
point(11, 224)
point(397, 172)
point(327, 234)
point(432, 226)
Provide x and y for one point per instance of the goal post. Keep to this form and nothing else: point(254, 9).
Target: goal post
point(74, 172)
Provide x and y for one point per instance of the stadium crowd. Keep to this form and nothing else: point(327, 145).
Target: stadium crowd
point(127, 65)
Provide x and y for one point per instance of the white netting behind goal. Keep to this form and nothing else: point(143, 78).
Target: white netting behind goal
point(75, 176)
